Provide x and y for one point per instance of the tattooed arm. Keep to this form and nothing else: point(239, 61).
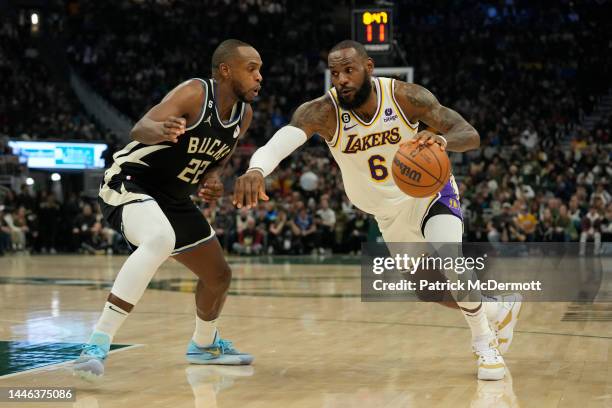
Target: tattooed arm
point(418, 104)
point(317, 116)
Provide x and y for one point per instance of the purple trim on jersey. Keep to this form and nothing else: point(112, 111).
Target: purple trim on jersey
point(450, 199)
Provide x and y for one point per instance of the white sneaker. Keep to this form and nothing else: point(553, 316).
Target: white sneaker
point(506, 319)
point(497, 394)
point(491, 364)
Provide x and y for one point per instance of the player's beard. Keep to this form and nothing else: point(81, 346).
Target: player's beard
point(360, 97)
point(242, 95)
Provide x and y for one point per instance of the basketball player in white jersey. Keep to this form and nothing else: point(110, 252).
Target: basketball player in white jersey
point(178, 149)
point(364, 120)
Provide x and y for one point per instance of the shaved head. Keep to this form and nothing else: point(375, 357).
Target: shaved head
point(226, 51)
point(342, 45)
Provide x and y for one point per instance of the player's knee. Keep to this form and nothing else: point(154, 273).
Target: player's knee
point(161, 241)
point(219, 279)
point(428, 292)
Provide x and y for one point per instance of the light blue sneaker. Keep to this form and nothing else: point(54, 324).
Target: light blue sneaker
point(90, 364)
point(220, 352)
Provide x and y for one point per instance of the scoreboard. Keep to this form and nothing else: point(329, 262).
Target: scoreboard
point(59, 155)
point(373, 28)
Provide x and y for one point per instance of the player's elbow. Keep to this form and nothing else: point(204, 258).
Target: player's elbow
point(475, 137)
point(135, 132)
point(139, 133)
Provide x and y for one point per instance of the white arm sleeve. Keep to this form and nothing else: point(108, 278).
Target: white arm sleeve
point(282, 144)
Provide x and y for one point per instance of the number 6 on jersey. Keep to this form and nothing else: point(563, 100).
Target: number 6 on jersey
point(378, 169)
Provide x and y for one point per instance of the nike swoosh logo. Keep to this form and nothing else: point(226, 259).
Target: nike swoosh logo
point(213, 352)
point(350, 127)
point(116, 310)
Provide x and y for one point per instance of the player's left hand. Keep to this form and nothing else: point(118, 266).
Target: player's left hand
point(426, 137)
point(211, 188)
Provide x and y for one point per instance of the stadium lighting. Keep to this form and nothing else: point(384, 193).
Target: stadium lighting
point(34, 18)
point(55, 177)
point(30, 181)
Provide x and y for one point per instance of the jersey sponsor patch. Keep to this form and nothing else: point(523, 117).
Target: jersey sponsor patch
point(389, 115)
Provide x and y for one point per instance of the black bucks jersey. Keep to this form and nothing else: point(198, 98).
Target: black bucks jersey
point(170, 172)
point(173, 170)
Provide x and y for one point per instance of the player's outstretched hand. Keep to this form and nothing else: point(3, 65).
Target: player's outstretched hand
point(249, 188)
point(211, 188)
point(426, 137)
point(172, 128)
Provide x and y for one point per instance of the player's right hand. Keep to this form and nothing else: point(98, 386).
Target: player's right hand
point(248, 189)
point(172, 128)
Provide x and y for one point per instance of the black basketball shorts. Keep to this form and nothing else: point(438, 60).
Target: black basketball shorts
point(190, 226)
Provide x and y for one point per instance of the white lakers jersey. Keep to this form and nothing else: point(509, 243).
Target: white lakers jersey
point(364, 150)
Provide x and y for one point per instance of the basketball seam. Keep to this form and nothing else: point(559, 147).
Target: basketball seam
point(400, 178)
point(419, 166)
point(435, 157)
point(448, 168)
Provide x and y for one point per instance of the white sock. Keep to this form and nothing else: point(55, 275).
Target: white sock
point(112, 318)
point(476, 320)
point(204, 333)
point(491, 307)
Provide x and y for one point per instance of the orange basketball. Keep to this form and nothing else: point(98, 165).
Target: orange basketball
point(420, 171)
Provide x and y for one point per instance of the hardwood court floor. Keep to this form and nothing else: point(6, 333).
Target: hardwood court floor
point(315, 343)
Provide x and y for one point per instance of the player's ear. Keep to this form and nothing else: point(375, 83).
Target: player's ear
point(370, 65)
point(224, 71)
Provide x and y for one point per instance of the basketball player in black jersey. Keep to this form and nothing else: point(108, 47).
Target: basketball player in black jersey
point(178, 149)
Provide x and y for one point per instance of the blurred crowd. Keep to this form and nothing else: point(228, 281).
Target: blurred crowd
point(298, 220)
point(509, 194)
point(35, 104)
point(524, 74)
point(40, 223)
point(559, 194)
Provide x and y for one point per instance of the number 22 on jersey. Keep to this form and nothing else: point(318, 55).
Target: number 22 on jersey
point(191, 174)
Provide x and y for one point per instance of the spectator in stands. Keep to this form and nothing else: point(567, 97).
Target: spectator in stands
point(5, 233)
point(545, 228)
point(280, 235)
point(326, 226)
point(83, 230)
point(25, 198)
point(49, 220)
point(96, 240)
point(563, 228)
point(591, 230)
point(18, 225)
point(304, 229)
point(356, 233)
point(250, 239)
point(224, 225)
point(606, 225)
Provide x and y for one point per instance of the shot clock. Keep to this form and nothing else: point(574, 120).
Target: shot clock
point(373, 28)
